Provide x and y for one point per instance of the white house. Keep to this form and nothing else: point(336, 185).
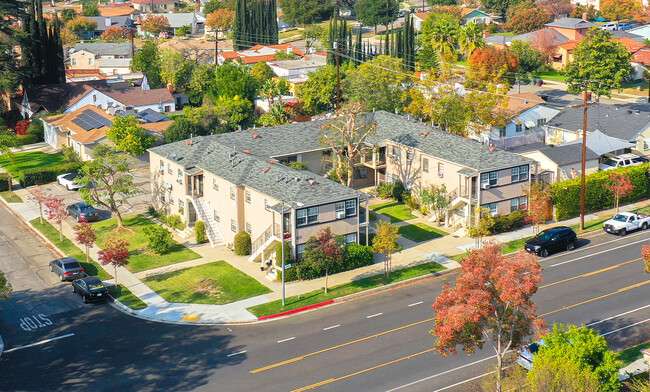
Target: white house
point(300, 66)
point(127, 99)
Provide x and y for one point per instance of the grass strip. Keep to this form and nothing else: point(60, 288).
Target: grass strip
point(70, 249)
point(631, 354)
point(356, 286)
point(420, 232)
point(396, 211)
point(11, 197)
point(126, 297)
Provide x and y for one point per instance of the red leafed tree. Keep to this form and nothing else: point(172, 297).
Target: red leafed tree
point(490, 301)
point(324, 250)
point(620, 185)
point(544, 41)
point(115, 252)
point(85, 235)
point(493, 65)
point(154, 24)
point(538, 196)
point(557, 8)
point(37, 195)
point(645, 252)
point(57, 212)
point(115, 34)
point(529, 19)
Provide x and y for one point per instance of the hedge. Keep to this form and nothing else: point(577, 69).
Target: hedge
point(4, 182)
point(566, 194)
point(354, 256)
point(242, 244)
point(27, 139)
point(45, 175)
point(508, 222)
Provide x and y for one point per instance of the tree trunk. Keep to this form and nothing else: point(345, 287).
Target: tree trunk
point(115, 269)
point(10, 183)
point(40, 212)
point(326, 276)
point(60, 231)
point(120, 224)
point(87, 255)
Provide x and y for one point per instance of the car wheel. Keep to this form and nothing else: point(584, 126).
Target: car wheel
point(623, 232)
point(571, 245)
point(68, 187)
point(644, 226)
point(84, 299)
point(543, 252)
point(51, 269)
point(61, 277)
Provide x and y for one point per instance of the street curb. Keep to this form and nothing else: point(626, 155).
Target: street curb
point(2, 346)
point(298, 310)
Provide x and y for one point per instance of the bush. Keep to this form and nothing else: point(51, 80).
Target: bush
point(398, 190)
point(35, 129)
point(385, 190)
point(4, 182)
point(354, 256)
point(47, 174)
point(242, 243)
point(410, 201)
point(358, 256)
point(287, 253)
point(159, 239)
point(176, 222)
point(27, 139)
point(69, 154)
point(199, 230)
point(508, 222)
point(566, 194)
point(152, 211)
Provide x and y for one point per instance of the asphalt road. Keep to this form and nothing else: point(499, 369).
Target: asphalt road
point(376, 343)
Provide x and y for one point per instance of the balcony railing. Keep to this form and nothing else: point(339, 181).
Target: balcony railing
point(273, 230)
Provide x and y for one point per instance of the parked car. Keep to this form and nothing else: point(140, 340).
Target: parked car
point(625, 26)
point(163, 34)
point(525, 356)
point(67, 268)
point(401, 13)
point(552, 240)
point(68, 181)
point(90, 289)
point(612, 26)
point(622, 161)
point(81, 210)
point(624, 222)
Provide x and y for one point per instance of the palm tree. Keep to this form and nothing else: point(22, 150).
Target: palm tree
point(268, 91)
point(444, 38)
point(7, 141)
point(471, 38)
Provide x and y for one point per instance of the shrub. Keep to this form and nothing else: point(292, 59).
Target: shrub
point(410, 201)
point(159, 239)
point(566, 194)
point(299, 165)
point(242, 243)
point(35, 129)
point(354, 256)
point(398, 190)
point(287, 253)
point(176, 222)
point(27, 139)
point(69, 154)
point(509, 222)
point(385, 190)
point(199, 230)
point(47, 174)
point(357, 255)
point(4, 182)
point(151, 210)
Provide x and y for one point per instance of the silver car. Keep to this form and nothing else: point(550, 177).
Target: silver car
point(67, 268)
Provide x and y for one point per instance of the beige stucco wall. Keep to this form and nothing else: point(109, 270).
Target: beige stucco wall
point(314, 160)
point(83, 58)
point(561, 173)
point(327, 218)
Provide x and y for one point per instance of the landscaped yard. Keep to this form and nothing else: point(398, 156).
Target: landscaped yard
point(126, 297)
point(215, 283)
point(356, 286)
point(420, 232)
point(397, 211)
point(29, 160)
point(141, 259)
point(70, 249)
point(630, 355)
point(552, 75)
point(11, 197)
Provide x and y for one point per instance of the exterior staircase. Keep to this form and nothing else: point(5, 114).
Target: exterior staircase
point(211, 228)
point(185, 233)
point(268, 239)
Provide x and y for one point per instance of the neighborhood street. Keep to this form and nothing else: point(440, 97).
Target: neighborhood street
point(376, 343)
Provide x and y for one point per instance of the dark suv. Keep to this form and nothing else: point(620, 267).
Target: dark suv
point(552, 240)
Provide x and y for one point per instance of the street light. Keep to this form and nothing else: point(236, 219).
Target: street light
point(299, 204)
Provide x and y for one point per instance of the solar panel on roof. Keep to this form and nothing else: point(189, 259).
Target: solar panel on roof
point(82, 124)
point(98, 118)
point(151, 116)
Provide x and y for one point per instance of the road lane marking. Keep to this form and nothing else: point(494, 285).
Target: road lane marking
point(618, 315)
point(331, 327)
point(296, 359)
point(464, 381)
point(374, 315)
point(331, 380)
point(598, 253)
point(286, 340)
point(626, 327)
point(590, 273)
point(416, 303)
point(634, 286)
point(39, 343)
point(237, 353)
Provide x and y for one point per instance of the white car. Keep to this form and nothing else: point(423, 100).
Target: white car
point(622, 161)
point(68, 181)
point(525, 356)
point(624, 222)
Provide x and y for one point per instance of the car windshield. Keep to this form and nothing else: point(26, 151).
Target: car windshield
point(544, 236)
point(620, 218)
point(72, 265)
point(85, 207)
point(610, 162)
point(95, 286)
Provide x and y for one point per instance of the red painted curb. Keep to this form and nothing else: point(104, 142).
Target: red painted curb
point(298, 310)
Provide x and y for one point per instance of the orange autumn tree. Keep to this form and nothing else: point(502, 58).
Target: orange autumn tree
point(645, 252)
point(620, 185)
point(492, 65)
point(115, 34)
point(538, 196)
point(490, 301)
point(155, 24)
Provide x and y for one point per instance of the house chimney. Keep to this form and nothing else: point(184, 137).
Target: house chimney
point(584, 16)
point(138, 20)
point(289, 50)
point(107, 21)
point(170, 87)
point(486, 33)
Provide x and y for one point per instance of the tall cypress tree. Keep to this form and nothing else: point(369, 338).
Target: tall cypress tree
point(42, 43)
point(58, 44)
point(255, 23)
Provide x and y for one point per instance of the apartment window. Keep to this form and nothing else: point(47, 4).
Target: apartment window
point(502, 133)
point(170, 170)
point(519, 173)
point(350, 207)
point(249, 228)
point(306, 215)
point(514, 204)
point(91, 61)
point(267, 205)
point(409, 155)
point(340, 208)
point(162, 165)
point(162, 198)
point(441, 169)
point(425, 165)
point(215, 184)
point(217, 217)
point(396, 152)
point(351, 238)
point(301, 217)
point(74, 61)
point(171, 198)
point(180, 173)
point(541, 121)
point(523, 202)
point(233, 225)
point(232, 193)
point(248, 196)
point(181, 206)
point(518, 127)
point(300, 249)
point(312, 215)
point(492, 207)
point(491, 178)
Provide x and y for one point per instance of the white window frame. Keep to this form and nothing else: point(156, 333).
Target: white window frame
point(215, 184)
point(216, 216)
point(312, 215)
point(267, 205)
point(170, 169)
point(233, 193)
point(74, 61)
point(493, 207)
point(249, 228)
point(519, 173)
point(523, 202)
point(441, 169)
point(514, 204)
point(351, 238)
point(248, 196)
point(519, 127)
point(491, 178)
point(233, 225)
point(340, 207)
point(425, 165)
point(301, 217)
point(350, 207)
point(300, 249)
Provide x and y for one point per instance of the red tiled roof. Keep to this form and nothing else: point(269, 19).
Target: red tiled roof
point(630, 44)
point(642, 56)
point(247, 58)
point(422, 15)
point(150, 1)
point(569, 44)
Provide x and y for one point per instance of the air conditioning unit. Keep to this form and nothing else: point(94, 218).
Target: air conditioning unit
point(485, 186)
point(441, 175)
point(340, 214)
point(161, 171)
point(179, 180)
point(409, 161)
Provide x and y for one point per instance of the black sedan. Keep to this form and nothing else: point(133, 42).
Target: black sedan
point(80, 211)
point(91, 289)
point(552, 240)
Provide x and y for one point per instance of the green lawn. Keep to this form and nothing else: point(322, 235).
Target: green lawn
point(70, 249)
point(126, 297)
point(356, 286)
point(552, 75)
point(397, 211)
point(592, 225)
point(420, 232)
point(514, 245)
point(630, 355)
point(141, 259)
point(11, 198)
point(215, 283)
point(29, 160)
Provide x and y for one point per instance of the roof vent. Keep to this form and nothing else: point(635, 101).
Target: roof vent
point(425, 134)
point(255, 136)
point(491, 148)
point(311, 181)
point(266, 169)
point(297, 178)
point(629, 112)
point(273, 162)
point(173, 156)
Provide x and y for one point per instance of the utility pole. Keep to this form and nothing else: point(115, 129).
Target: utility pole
point(216, 47)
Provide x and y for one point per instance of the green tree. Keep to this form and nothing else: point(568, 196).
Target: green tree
point(90, 9)
point(10, 71)
point(498, 7)
point(184, 30)
point(81, 26)
point(480, 225)
point(201, 80)
point(319, 90)
point(232, 113)
point(437, 3)
point(147, 60)
point(378, 84)
point(583, 347)
point(128, 136)
point(385, 242)
point(180, 129)
point(373, 12)
point(324, 250)
point(530, 59)
point(211, 6)
point(67, 14)
point(111, 179)
point(304, 12)
point(159, 239)
point(233, 80)
point(262, 72)
point(176, 69)
point(441, 31)
point(599, 60)
point(471, 38)
point(5, 287)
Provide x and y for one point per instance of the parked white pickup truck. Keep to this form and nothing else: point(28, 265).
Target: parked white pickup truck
point(624, 222)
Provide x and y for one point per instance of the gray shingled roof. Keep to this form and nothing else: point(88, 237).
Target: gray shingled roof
point(566, 154)
point(279, 181)
point(571, 23)
point(119, 21)
point(105, 48)
point(532, 37)
point(619, 121)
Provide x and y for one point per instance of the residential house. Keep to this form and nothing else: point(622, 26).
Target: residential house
point(475, 15)
point(114, 67)
point(259, 53)
point(611, 129)
point(104, 58)
point(642, 31)
point(300, 66)
point(194, 20)
point(557, 163)
point(638, 62)
point(418, 19)
point(119, 9)
point(104, 22)
point(158, 5)
point(54, 97)
point(120, 100)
